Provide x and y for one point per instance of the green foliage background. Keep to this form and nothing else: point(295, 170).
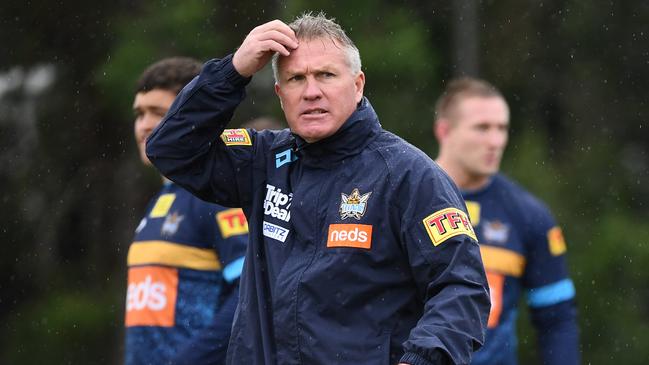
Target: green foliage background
point(73, 188)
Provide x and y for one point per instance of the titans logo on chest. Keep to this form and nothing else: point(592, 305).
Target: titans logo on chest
point(495, 232)
point(171, 224)
point(353, 205)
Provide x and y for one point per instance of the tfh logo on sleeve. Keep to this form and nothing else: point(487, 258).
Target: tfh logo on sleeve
point(447, 223)
point(232, 222)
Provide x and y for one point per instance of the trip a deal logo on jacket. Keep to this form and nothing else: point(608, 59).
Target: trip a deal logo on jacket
point(277, 205)
point(151, 296)
point(447, 223)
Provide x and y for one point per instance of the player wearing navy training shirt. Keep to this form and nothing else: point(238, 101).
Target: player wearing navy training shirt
point(187, 255)
point(522, 247)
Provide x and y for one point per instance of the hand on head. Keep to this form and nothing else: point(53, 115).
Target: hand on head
point(260, 45)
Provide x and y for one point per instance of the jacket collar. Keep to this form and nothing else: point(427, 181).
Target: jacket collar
point(352, 137)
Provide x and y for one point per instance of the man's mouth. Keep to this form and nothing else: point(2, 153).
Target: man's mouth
point(314, 111)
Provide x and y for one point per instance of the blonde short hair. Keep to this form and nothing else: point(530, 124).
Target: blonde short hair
point(309, 27)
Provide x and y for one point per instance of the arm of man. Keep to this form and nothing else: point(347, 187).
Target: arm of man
point(558, 334)
point(209, 346)
point(186, 147)
point(447, 267)
point(551, 293)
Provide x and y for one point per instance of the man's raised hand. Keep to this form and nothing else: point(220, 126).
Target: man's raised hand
point(260, 45)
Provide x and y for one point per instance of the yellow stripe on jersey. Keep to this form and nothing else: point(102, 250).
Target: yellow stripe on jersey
point(504, 261)
point(172, 254)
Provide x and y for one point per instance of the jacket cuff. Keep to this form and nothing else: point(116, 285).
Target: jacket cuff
point(227, 69)
point(415, 359)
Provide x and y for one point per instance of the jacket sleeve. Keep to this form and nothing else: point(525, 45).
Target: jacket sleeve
point(446, 264)
point(231, 230)
point(550, 291)
point(209, 344)
point(186, 147)
point(558, 335)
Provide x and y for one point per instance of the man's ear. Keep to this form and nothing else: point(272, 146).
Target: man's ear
point(441, 129)
point(279, 95)
point(359, 83)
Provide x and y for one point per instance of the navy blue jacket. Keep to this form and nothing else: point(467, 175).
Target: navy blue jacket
point(361, 251)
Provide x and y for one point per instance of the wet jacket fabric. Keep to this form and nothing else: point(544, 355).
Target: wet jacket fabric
point(361, 251)
point(183, 271)
point(523, 251)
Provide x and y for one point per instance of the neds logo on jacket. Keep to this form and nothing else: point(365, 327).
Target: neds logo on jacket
point(151, 296)
point(350, 235)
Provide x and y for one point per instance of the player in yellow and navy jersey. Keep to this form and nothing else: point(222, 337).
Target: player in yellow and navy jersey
point(522, 247)
point(187, 255)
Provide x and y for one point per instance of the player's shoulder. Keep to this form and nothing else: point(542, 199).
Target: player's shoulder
point(525, 202)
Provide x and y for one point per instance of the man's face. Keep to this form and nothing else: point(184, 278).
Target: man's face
point(149, 107)
point(317, 89)
point(478, 135)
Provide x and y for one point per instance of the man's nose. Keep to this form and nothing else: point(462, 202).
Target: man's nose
point(150, 121)
point(497, 138)
point(312, 89)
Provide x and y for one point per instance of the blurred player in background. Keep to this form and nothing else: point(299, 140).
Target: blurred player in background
point(187, 255)
point(522, 247)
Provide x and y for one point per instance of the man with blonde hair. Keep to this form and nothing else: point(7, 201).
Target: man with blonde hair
point(361, 250)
